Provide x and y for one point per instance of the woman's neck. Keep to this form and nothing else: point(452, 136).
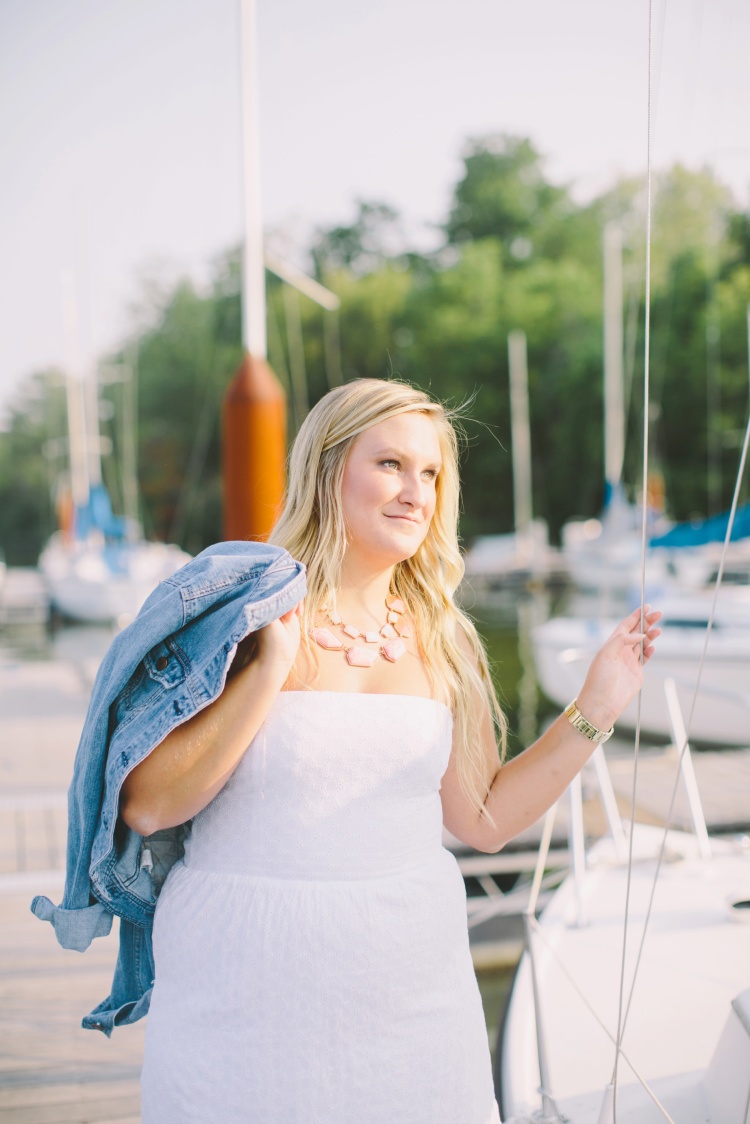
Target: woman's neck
point(363, 589)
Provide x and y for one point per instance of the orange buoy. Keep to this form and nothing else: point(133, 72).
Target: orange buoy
point(253, 450)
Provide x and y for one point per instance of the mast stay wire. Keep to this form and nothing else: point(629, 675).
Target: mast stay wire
point(696, 690)
point(644, 488)
point(659, 362)
point(631, 325)
point(539, 931)
point(623, 1017)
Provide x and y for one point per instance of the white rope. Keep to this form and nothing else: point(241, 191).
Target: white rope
point(646, 377)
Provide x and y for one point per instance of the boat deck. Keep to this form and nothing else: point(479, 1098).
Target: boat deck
point(695, 960)
point(723, 782)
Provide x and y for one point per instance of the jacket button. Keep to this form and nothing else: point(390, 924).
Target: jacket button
point(161, 663)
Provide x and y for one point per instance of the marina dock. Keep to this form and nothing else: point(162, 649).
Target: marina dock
point(23, 598)
point(50, 1069)
point(53, 1071)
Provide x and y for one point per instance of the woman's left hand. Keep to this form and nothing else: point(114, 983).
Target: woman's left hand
point(616, 672)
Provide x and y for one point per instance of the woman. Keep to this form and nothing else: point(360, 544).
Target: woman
point(312, 958)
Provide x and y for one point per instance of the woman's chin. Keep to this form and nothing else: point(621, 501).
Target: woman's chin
point(383, 554)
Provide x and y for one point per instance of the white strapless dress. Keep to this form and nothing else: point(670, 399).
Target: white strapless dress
point(312, 954)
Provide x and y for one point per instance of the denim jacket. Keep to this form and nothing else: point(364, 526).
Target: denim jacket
point(161, 670)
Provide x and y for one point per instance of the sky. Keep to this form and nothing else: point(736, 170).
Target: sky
point(120, 128)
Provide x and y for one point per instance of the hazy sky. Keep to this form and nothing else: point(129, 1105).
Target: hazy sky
point(120, 125)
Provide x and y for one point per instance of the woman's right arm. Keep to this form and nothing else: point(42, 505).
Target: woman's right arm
point(185, 771)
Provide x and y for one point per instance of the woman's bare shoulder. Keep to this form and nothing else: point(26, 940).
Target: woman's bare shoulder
point(464, 639)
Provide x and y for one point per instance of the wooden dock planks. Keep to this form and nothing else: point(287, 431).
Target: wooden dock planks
point(50, 1068)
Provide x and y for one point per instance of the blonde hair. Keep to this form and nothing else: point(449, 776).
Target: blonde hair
point(312, 529)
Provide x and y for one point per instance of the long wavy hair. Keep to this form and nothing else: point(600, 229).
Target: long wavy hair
point(313, 530)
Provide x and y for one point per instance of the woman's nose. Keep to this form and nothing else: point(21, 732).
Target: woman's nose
point(412, 491)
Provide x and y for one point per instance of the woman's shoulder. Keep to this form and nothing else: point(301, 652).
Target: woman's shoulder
point(465, 636)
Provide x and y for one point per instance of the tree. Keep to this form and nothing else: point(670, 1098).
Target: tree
point(520, 252)
point(374, 237)
point(36, 426)
point(504, 195)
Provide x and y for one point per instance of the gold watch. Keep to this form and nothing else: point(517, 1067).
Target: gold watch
point(588, 729)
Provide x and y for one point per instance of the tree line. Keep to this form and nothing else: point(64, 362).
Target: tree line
point(517, 251)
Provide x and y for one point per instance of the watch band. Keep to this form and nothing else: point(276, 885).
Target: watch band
point(588, 729)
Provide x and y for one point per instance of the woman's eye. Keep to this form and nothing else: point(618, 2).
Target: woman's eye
point(431, 473)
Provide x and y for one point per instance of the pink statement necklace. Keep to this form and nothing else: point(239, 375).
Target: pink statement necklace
point(393, 648)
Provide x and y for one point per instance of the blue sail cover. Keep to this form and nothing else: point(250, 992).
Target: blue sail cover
point(97, 515)
point(703, 531)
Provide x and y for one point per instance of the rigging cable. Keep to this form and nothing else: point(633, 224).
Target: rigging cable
point(539, 931)
point(622, 1018)
point(646, 373)
point(620, 1052)
point(696, 690)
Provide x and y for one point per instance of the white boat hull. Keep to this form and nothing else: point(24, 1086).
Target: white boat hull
point(603, 560)
point(84, 585)
point(564, 647)
point(695, 962)
point(497, 560)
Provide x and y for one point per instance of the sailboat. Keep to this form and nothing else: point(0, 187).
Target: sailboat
point(677, 987)
point(686, 1047)
point(678, 565)
point(631, 1004)
point(102, 577)
point(691, 551)
point(525, 555)
point(564, 647)
point(98, 567)
point(604, 554)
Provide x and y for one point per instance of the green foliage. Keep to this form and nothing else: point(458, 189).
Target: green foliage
point(361, 247)
point(519, 253)
point(184, 363)
point(504, 195)
point(28, 460)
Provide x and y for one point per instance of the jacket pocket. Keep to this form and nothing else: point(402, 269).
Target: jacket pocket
point(167, 663)
point(163, 668)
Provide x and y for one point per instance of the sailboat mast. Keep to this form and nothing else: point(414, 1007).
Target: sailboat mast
point(129, 437)
point(74, 392)
point(254, 407)
point(254, 280)
point(614, 409)
point(94, 443)
point(520, 432)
